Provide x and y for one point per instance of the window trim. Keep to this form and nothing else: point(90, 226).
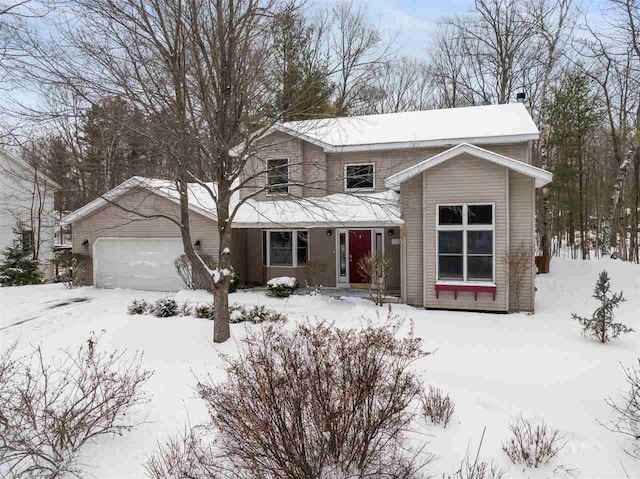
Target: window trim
point(344, 172)
point(268, 186)
point(294, 245)
point(465, 227)
point(27, 233)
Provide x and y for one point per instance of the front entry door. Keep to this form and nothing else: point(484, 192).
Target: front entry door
point(359, 247)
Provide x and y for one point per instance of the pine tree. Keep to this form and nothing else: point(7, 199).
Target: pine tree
point(17, 268)
point(601, 324)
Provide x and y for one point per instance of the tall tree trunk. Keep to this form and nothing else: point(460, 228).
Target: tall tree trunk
point(583, 246)
point(616, 200)
point(221, 329)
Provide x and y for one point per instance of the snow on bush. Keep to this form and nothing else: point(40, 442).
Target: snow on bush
point(350, 388)
point(437, 407)
point(532, 445)
point(49, 409)
point(255, 314)
point(206, 311)
point(601, 323)
point(139, 306)
point(282, 287)
point(165, 307)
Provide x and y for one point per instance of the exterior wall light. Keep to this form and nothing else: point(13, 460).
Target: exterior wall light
point(197, 245)
point(85, 244)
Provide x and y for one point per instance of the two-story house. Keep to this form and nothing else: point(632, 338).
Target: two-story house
point(446, 195)
point(27, 210)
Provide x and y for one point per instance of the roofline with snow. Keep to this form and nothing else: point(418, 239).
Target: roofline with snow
point(121, 189)
point(401, 145)
point(30, 168)
point(542, 177)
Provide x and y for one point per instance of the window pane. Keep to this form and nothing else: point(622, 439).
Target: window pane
point(281, 248)
point(278, 176)
point(450, 267)
point(480, 215)
point(450, 215)
point(480, 267)
point(303, 245)
point(480, 242)
point(264, 247)
point(450, 242)
point(360, 176)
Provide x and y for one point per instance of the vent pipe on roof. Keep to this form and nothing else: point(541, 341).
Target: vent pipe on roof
point(521, 97)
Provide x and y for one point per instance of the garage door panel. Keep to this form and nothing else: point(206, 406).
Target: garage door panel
point(146, 264)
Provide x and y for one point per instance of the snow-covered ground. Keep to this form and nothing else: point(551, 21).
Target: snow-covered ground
point(495, 367)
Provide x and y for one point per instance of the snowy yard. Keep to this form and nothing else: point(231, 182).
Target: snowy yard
point(494, 367)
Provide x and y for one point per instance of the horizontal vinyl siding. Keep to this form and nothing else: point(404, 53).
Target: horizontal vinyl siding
point(388, 163)
point(521, 232)
point(275, 146)
point(411, 197)
point(465, 179)
point(113, 222)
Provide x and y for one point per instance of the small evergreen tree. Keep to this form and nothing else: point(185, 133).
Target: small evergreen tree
point(601, 324)
point(17, 267)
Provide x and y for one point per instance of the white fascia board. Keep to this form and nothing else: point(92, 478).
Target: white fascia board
point(318, 224)
point(120, 190)
point(484, 140)
point(541, 176)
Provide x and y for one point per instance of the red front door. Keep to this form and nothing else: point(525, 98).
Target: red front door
point(359, 247)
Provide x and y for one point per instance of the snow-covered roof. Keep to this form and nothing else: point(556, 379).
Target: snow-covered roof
point(371, 209)
point(199, 198)
point(476, 124)
point(542, 177)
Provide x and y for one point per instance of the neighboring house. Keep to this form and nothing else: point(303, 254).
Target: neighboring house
point(27, 210)
point(446, 195)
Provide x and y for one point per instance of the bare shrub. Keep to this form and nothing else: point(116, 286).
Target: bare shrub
point(317, 401)
point(49, 409)
point(315, 271)
point(437, 407)
point(139, 306)
point(194, 278)
point(473, 466)
point(520, 260)
point(627, 410)
point(375, 269)
point(532, 445)
point(186, 456)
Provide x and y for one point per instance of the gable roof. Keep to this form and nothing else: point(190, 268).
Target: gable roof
point(484, 124)
point(200, 200)
point(541, 176)
point(27, 167)
point(333, 210)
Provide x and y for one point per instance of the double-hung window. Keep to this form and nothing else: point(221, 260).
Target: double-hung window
point(465, 243)
point(278, 176)
point(359, 177)
point(285, 248)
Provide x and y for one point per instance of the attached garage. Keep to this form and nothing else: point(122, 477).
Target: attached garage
point(137, 263)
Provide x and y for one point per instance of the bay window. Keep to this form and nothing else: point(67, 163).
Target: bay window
point(465, 242)
point(285, 248)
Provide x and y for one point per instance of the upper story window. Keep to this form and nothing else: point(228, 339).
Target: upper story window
point(466, 243)
point(278, 176)
point(285, 248)
point(360, 177)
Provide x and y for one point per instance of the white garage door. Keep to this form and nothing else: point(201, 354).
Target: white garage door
point(146, 264)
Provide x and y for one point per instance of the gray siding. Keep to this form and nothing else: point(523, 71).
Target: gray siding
point(466, 179)
point(388, 163)
point(522, 233)
point(411, 197)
